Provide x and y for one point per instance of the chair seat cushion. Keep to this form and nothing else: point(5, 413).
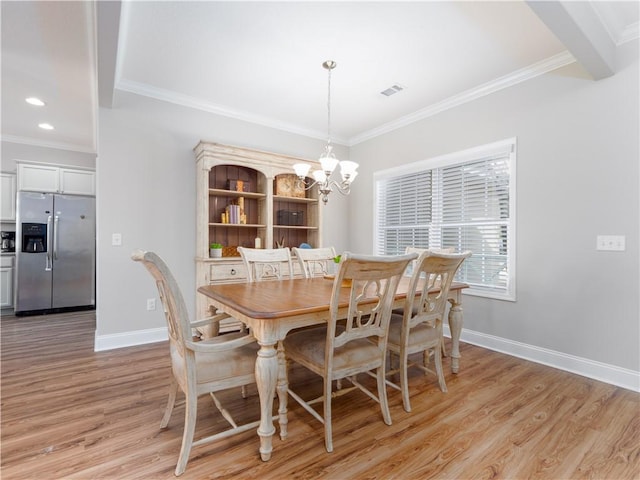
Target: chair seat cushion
point(229, 364)
point(308, 347)
point(232, 363)
point(421, 334)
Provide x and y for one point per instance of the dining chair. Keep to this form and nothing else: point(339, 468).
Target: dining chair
point(419, 328)
point(420, 250)
point(199, 367)
point(315, 262)
point(343, 349)
point(267, 263)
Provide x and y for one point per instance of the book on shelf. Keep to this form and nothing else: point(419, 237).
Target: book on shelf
point(234, 215)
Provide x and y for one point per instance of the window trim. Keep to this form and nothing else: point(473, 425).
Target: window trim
point(506, 147)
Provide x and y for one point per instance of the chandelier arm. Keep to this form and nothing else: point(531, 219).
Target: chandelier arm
point(305, 184)
point(343, 187)
point(328, 185)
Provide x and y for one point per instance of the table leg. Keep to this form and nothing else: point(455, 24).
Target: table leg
point(282, 391)
point(266, 375)
point(455, 326)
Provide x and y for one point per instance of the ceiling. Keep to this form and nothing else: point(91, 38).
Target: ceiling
point(262, 61)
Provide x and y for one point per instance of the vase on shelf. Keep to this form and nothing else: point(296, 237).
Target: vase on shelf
point(215, 250)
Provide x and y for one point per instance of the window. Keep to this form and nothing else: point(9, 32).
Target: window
point(465, 200)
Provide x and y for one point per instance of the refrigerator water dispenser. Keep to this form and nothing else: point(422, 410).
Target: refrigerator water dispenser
point(34, 237)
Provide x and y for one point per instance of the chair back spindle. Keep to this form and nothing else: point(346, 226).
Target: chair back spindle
point(315, 262)
point(267, 264)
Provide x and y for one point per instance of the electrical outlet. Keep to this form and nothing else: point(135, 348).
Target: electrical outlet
point(151, 303)
point(610, 242)
point(116, 239)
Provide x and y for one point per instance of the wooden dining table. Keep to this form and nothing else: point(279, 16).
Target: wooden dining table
point(273, 308)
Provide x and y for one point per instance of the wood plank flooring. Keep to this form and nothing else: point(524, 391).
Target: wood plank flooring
point(71, 413)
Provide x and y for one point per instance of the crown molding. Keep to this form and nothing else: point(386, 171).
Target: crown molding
point(519, 76)
point(522, 75)
point(34, 142)
point(199, 104)
point(629, 33)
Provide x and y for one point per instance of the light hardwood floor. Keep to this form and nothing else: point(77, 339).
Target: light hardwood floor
point(70, 413)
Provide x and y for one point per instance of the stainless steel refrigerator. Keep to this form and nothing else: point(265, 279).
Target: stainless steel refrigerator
point(55, 252)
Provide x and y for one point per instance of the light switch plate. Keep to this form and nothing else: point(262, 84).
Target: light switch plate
point(116, 239)
point(610, 242)
point(151, 303)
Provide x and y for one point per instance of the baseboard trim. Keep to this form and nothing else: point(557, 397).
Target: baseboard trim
point(130, 339)
point(618, 376)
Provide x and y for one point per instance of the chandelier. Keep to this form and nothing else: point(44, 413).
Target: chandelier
point(328, 160)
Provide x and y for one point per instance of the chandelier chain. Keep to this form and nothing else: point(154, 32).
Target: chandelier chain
point(329, 108)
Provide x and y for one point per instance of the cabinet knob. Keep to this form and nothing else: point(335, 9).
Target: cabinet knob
point(233, 271)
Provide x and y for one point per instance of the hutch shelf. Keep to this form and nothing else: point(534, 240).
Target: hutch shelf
point(237, 205)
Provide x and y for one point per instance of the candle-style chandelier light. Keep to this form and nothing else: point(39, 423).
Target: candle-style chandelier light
point(328, 160)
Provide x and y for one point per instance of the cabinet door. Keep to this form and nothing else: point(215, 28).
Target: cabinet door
point(78, 182)
point(6, 287)
point(8, 206)
point(38, 178)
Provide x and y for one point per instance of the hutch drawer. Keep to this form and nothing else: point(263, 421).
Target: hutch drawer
point(227, 272)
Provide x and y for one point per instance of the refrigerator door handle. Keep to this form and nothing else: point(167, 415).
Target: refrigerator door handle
point(55, 237)
point(49, 263)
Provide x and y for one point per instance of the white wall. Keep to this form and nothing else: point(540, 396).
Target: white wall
point(577, 177)
point(146, 191)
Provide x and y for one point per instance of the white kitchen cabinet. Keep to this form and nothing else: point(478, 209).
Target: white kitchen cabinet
point(8, 205)
point(46, 178)
point(6, 281)
point(38, 178)
point(78, 182)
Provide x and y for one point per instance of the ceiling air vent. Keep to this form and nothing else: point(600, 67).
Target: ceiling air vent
point(391, 90)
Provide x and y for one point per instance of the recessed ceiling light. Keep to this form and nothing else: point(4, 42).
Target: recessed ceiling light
point(45, 126)
point(35, 101)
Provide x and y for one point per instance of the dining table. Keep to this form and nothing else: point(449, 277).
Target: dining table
point(273, 308)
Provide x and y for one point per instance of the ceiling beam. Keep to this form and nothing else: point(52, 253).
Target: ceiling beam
point(108, 29)
point(579, 28)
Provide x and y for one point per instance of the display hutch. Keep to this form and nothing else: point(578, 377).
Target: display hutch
point(248, 198)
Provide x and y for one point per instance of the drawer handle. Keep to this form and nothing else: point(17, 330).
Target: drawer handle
point(233, 271)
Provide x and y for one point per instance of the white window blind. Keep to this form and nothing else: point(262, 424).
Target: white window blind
point(465, 201)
